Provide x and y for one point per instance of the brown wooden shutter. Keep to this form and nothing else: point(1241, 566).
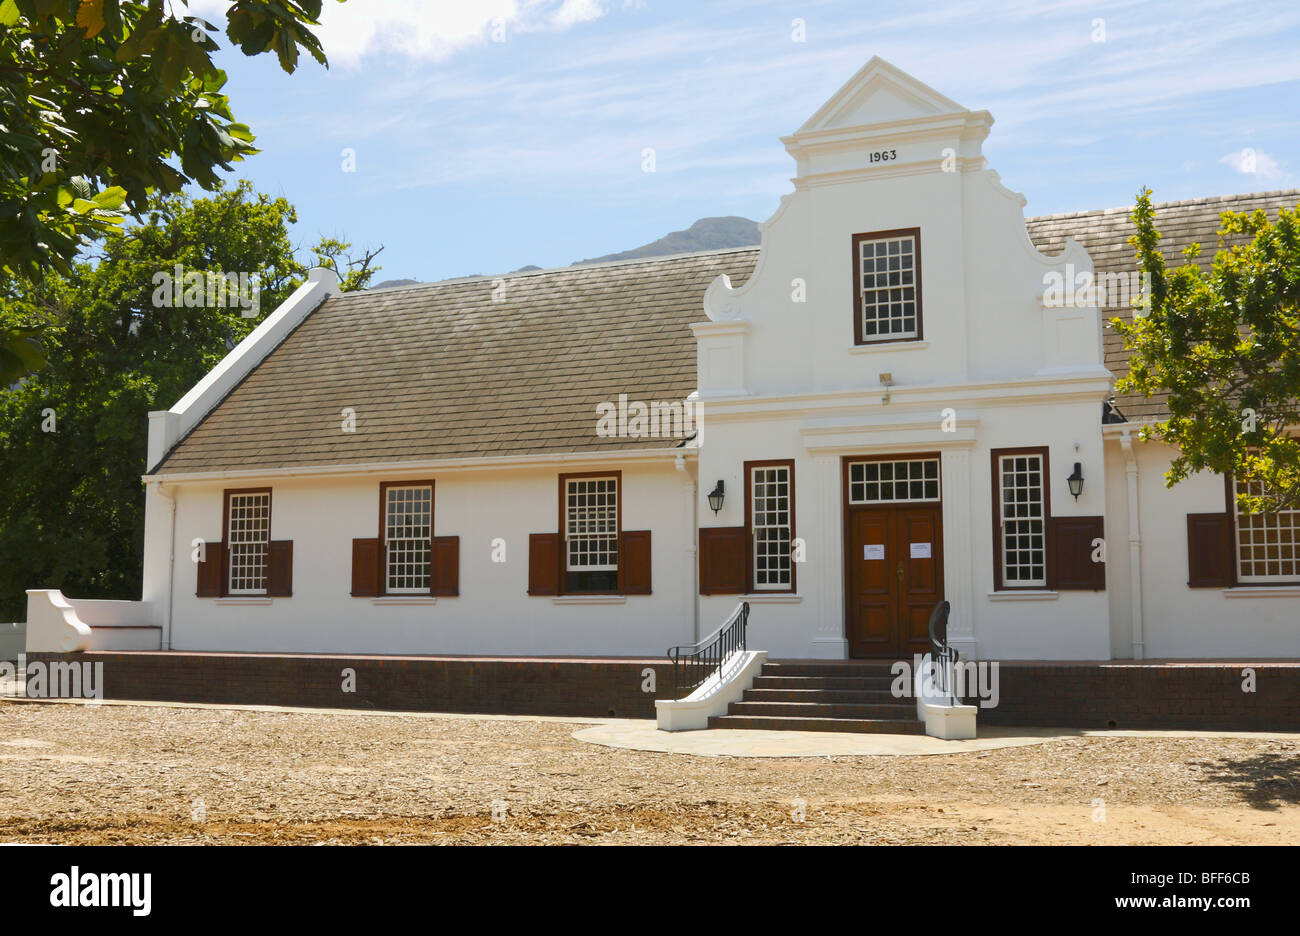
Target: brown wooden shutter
point(365, 567)
point(1069, 562)
point(444, 566)
point(209, 571)
point(279, 568)
point(634, 561)
point(544, 563)
point(1209, 551)
point(723, 561)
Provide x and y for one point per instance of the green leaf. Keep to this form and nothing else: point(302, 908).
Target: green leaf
point(111, 198)
point(9, 13)
point(90, 17)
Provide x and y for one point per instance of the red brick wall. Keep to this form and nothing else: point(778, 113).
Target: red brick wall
point(593, 688)
point(1205, 696)
point(1080, 695)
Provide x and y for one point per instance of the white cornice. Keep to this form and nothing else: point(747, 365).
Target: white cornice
point(827, 437)
point(1059, 388)
point(497, 463)
point(723, 326)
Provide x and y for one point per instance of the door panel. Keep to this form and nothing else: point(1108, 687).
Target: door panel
point(871, 584)
point(919, 528)
point(891, 597)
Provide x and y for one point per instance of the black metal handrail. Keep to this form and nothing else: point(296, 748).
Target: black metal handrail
point(942, 656)
point(695, 663)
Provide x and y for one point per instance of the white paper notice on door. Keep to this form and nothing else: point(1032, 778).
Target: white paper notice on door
point(873, 551)
point(920, 550)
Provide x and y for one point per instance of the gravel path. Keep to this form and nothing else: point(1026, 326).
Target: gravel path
point(130, 774)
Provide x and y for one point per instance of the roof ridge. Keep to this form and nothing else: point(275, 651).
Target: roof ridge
point(1180, 203)
point(571, 268)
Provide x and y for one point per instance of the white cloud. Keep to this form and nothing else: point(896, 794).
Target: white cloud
point(577, 11)
point(1252, 163)
point(427, 30)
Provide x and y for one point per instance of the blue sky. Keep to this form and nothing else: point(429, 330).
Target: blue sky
point(474, 155)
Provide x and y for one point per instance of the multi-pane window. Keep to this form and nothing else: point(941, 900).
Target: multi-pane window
point(1023, 520)
point(408, 528)
point(771, 528)
point(248, 532)
point(591, 534)
point(891, 482)
point(1268, 544)
point(888, 289)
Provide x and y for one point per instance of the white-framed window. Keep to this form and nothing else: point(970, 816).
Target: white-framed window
point(888, 295)
point(1022, 516)
point(1268, 544)
point(591, 526)
point(408, 530)
point(894, 482)
point(249, 530)
point(771, 526)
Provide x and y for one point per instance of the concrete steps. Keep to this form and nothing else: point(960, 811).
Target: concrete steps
point(823, 696)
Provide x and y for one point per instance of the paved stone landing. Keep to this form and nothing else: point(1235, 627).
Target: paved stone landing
point(642, 735)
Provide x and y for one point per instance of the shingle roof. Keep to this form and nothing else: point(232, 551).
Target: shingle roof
point(444, 370)
point(1105, 235)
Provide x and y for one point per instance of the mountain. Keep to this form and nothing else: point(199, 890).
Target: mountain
point(704, 234)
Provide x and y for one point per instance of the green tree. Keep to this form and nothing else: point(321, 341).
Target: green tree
point(1224, 344)
point(73, 436)
point(104, 102)
point(353, 272)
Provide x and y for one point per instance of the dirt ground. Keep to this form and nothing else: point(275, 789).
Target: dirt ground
point(152, 774)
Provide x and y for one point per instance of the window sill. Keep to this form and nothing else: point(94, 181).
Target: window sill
point(772, 598)
point(589, 599)
point(1029, 594)
point(238, 600)
point(1262, 591)
point(905, 344)
point(404, 600)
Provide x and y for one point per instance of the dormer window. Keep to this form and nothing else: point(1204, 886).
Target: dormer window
point(887, 291)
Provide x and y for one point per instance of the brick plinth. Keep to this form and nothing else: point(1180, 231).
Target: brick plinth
point(508, 686)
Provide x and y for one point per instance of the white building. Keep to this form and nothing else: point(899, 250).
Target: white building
point(888, 394)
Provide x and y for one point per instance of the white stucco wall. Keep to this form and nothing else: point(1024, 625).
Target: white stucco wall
point(1187, 622)
point(493, 615)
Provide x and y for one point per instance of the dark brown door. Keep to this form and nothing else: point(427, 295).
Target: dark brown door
point(895, 578)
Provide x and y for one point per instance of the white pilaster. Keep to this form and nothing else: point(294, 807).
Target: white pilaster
point(825, 554)
point(958, 586)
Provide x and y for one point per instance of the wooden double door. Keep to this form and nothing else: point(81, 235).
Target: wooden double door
point(894, 567)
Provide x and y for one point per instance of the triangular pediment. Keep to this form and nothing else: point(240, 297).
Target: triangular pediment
point(879, 93)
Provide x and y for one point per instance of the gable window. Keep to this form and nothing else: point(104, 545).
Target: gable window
point(1021, 505)
point(408, 535)
point(769, 509)
point(590, 526)
point(248, 533)
point(1267, 544)
point(887, 286)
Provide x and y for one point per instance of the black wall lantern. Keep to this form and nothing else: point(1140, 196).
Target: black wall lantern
point(716, 497)
point(1076, 481)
